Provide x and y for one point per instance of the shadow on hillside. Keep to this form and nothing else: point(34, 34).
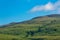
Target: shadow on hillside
point(37, 39)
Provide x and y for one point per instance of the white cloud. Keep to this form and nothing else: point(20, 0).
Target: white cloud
point(57, 7)
point(47, 7)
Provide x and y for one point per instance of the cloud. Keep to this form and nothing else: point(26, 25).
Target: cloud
point(47, 7)
point(57, 7)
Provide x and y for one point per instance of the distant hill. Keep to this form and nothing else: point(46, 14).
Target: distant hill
point(39, 20)
point(48, 25)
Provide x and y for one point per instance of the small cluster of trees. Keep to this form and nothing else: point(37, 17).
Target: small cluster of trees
point(41, 29)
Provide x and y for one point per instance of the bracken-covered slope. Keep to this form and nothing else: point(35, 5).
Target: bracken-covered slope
point(43, 26)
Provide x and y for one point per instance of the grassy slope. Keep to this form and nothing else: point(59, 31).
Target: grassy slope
point(7, 37)
point(10, 37)
point(50, 29)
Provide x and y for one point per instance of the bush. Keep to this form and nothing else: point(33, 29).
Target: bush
point(14, 39)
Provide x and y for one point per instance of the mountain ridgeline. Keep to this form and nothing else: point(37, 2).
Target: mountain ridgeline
point(34, 29)
point(39, 20)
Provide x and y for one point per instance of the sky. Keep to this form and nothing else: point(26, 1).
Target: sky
point(21, 10)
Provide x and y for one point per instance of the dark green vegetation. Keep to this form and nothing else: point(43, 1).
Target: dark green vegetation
point(39, 28)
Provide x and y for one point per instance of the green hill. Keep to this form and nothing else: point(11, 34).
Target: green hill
point(38, 28)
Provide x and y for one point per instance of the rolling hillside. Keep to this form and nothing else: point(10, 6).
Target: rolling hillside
point(38, 28)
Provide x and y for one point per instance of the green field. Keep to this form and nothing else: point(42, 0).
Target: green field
point(10, 37)
point(39, 28)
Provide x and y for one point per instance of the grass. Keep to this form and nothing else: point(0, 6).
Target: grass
point(7, 37)
point(11, 37)
point(46, 37)
point(46, 28)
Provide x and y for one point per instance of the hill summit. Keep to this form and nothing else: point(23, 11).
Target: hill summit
point(38, 20)
point(38, 28)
